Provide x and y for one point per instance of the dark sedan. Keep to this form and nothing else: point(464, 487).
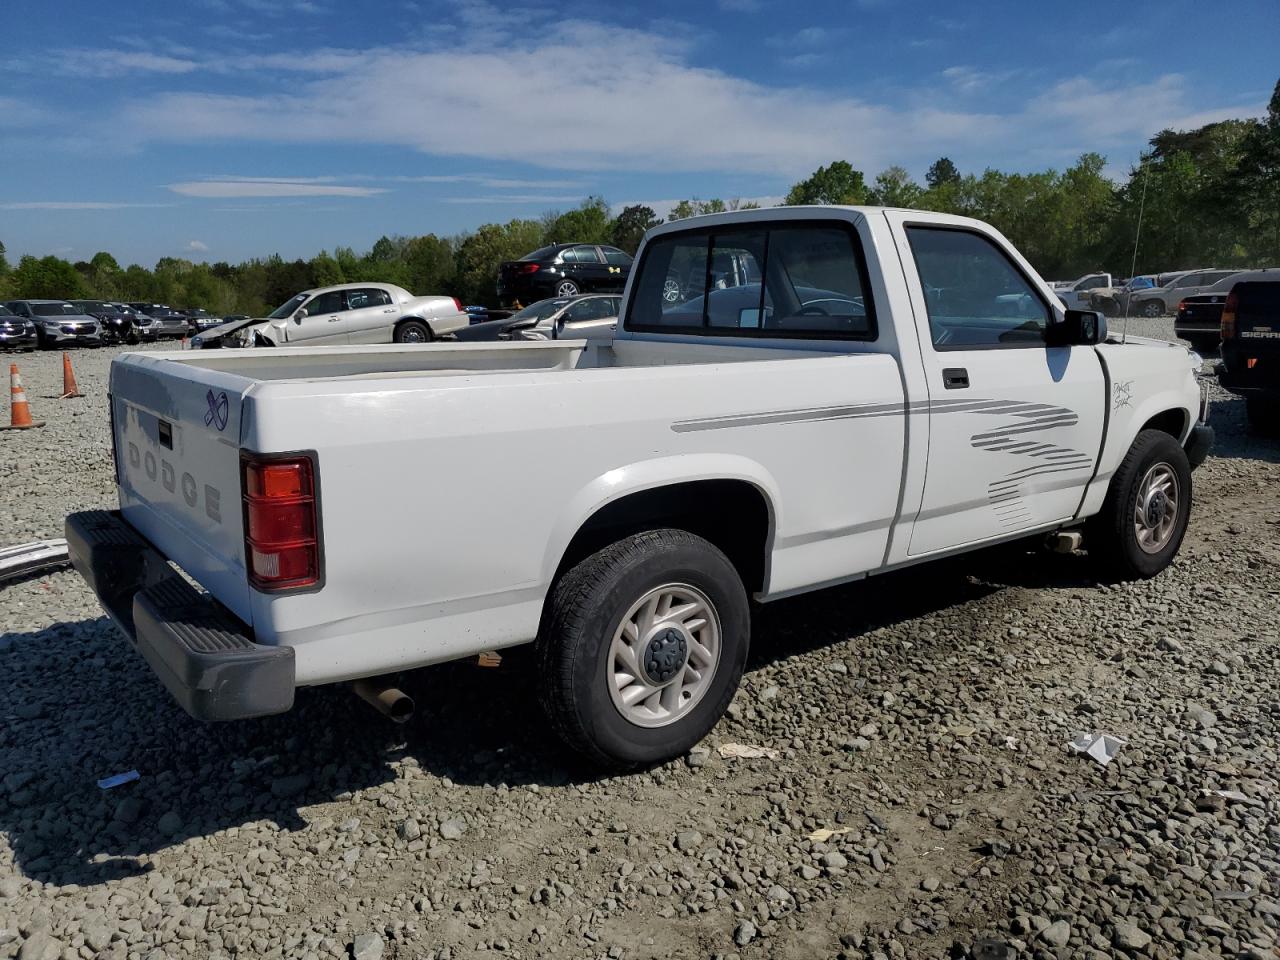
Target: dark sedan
point(16, 331)
point(1199, 317)
point(563, 270)
point(117, 326)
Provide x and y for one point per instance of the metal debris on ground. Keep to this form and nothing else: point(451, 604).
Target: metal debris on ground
point(823, 834)
point(743, 751)
point(489, 659)
point(1102, 747)
point(17, 561)
point(114, 781)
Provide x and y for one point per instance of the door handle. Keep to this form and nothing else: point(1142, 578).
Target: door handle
point(334, 319)
point(955, 378)
point(389, 310)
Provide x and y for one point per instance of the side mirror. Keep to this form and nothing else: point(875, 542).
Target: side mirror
point(301, 314)
point(1078, 328)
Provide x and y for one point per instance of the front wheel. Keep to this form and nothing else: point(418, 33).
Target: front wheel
point(1144, 517)
point(1152, 309)
point(413, 331)
point(641, 648)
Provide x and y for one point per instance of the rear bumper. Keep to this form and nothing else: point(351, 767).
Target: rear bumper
point(204, 656)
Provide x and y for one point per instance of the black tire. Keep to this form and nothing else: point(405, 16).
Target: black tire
point(585, 610)
point(1111, 536)
point(413, 331)
point(568, 288)
point(1152, 309)
point(1263, 413)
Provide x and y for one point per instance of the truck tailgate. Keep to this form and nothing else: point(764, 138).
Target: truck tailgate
point(176, 434)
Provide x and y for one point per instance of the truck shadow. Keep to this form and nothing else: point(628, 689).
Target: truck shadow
point(81, 706)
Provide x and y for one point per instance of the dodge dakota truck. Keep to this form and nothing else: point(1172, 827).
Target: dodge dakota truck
point(883, 387)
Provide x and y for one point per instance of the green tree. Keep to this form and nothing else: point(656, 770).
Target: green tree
point(430, 265)
point(46, 278)
point(895, 188)
point(1257, 180)
point(836, 183)
point(629, 227)
point(696, 208)
point(942, 171)
point(589, 223)
point(480, 253)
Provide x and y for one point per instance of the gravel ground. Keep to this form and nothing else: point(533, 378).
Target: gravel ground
point(920, 719)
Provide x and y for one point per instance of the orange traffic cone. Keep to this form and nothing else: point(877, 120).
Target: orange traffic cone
point(69, 388)
point(20, 415)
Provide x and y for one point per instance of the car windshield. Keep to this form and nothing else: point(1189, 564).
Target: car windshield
point(542, 253)
point(5, 311)
point(541, 310)
point(288, 309)
point(53, 309)
point(96, 305)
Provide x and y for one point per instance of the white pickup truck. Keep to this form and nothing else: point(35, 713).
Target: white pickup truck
point(892, 387)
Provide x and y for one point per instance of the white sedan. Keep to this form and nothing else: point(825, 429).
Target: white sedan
point(344, 314)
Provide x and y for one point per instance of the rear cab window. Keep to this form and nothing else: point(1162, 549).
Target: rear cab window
point(781, 279)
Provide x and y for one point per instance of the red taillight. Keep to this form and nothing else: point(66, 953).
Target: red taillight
point(530, 268)
point(1229, 316)
point(457, 305)
point(1182, 305)
point(281, 521)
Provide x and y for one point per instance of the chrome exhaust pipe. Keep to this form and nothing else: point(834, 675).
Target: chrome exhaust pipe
point(383, 695)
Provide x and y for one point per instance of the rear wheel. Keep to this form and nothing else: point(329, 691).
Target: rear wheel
point(1144, 517)
point(642, 646)
point(567, 288)
point(1152, 309)
point(413, 331)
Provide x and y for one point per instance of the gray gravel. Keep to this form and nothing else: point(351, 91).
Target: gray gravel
point(923, 717)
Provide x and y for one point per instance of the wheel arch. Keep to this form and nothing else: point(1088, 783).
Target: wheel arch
point(730, 501)
point(431, 331)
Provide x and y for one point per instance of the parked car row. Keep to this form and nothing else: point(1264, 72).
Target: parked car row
point(61, 323)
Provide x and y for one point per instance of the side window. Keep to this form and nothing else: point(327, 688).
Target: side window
point(1093, 283)
point(372, 297)
point(774, 280)
point(586, 254)
point(569, 255)
point(615, 257)
point(1190, 280)
point(974, 294)
point(1212, 278)
point(326, 303)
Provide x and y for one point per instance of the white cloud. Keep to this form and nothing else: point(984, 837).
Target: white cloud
point(114, 63)
point(76, 205)
point(653, 110)
point(197, 246)
point(514, 198)
point(226, 188)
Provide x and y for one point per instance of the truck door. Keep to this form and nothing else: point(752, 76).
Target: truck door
point(1015, 426)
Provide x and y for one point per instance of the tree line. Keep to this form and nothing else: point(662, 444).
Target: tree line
point(1208, 197)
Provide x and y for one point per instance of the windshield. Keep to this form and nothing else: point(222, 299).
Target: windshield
point(5, 311)
point(97, 306)
point(288, 309)
point(541, 310)
point(53, 309)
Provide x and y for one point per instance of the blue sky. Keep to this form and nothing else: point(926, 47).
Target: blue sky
point(224, 129)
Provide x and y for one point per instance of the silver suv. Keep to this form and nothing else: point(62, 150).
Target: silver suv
point(1163, 301)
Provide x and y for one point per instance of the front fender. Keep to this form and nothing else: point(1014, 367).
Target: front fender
point(643, 475)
